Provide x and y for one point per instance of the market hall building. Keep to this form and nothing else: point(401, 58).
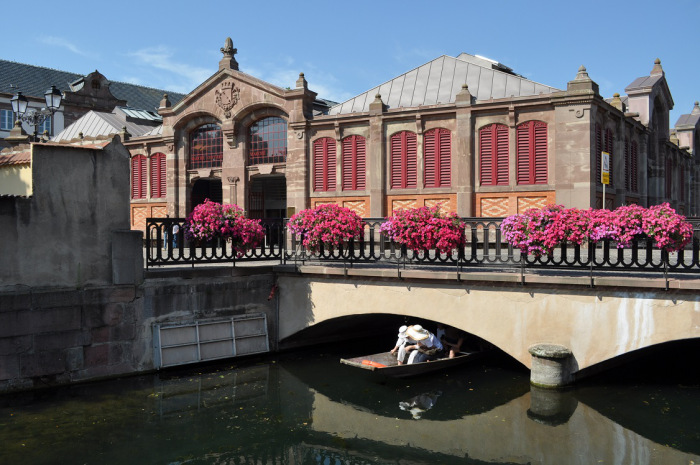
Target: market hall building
point(464, 132)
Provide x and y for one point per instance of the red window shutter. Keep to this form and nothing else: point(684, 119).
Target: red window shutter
point(523, 138)
point(353, 163)
point(681, 184)
point(634, 167)
point(430, 155)
point(502, 155)
point(628, 161)
point(445, 163)
point(158, 176)
point(411, 160)
point(540, 153)
point(138, 177)
point(324, 164)
point(403, 160)
point(486, 156)
point(598, 151)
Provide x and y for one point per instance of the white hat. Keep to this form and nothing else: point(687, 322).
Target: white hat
point(402, 331)
point(417, 333)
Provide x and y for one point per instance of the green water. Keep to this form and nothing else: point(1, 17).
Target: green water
point(306, 408)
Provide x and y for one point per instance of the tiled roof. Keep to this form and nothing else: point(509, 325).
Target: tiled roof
point(21, 157)
point(439, 81)
point(34, 80)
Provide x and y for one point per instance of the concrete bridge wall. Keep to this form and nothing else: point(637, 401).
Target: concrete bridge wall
point(596, 324)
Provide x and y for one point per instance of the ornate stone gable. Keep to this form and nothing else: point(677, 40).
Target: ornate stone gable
point(227, 96)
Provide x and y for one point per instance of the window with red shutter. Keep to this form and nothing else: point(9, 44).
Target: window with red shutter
point(353, 163)
point(437, 158)
point(634, 163)
point(138, 177)
point(404, 160)
point(628, 173)
point(598, 151)
point(531, 153)
point(324, 164)
point(493, 155)
point(158, 176)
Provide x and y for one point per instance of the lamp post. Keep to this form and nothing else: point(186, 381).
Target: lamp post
point(33, 116)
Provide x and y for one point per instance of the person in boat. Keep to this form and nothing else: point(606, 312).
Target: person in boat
point(452, 340)
point(401, 341)
point(426, 347)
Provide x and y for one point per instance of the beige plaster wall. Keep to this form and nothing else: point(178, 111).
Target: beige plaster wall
point(596, 325)
point(16, 180)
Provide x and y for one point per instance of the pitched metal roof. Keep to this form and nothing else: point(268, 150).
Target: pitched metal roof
point(97, 123)
point(691, 120)
point(644, 82)
point(439, 81)
point(34, 80)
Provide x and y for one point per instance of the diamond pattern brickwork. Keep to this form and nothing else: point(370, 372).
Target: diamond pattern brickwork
point(494, 206)
point(526, 203)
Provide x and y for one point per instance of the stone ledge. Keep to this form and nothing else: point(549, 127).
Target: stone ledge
point(549, 351)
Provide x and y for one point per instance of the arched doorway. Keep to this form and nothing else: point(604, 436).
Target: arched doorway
point(205, 189)
point(267, 197)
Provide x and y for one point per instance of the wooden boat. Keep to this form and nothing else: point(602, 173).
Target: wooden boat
point(386, 364)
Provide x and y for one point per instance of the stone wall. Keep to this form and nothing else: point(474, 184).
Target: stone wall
point(61, 336)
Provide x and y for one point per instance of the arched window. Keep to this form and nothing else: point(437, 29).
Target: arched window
point(354, 164)
point(437, 157)
point(403, 160)
point(206, 147)
point(531, 141)
point(324, 164)
point(158, 176)
point(138, 177)
point(493, 155)
point(267, 141)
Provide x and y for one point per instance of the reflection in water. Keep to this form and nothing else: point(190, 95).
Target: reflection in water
point(420, 404)
point(308, 409)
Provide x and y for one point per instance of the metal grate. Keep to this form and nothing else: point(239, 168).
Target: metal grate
point(206, 340)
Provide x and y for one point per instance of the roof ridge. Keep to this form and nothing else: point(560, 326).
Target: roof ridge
point(84, 75)
point(41, 67)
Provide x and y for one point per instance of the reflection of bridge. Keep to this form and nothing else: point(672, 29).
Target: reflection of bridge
point(597, 324)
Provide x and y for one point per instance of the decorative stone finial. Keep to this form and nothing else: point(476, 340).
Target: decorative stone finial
point(228, 61)
point(617, 102)
point(582, 83)
point(17, 135)
point(696, 109)
point(165, 103)
point(657, 69)
point(301, 82)
point(463, 97)
point(377, 106)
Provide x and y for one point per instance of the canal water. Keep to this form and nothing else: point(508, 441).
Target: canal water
point(307, 408)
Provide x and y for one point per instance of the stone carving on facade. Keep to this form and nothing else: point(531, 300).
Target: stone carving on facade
point(227, 96)
point(300, 134)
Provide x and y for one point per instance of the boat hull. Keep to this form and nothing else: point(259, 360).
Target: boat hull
point(385, 364)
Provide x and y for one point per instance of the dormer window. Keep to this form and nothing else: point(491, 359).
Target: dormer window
point(96, 84)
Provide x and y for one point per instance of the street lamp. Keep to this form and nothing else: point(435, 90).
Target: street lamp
point(35, 117)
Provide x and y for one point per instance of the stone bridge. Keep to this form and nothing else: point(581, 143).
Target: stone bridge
point(589, 322)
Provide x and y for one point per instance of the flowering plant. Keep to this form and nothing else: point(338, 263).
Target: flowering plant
point(327, 224)
point(538, 232)
point(211, 220)
point(425, 228)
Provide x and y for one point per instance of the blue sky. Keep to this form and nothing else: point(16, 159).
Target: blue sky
point(347, 48)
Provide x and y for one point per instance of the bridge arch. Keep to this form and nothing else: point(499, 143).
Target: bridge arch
point(597, 325)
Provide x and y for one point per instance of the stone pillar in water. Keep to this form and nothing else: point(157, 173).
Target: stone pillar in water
point(551, 366)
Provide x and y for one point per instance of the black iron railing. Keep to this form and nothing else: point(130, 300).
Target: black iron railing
point(485, 247)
